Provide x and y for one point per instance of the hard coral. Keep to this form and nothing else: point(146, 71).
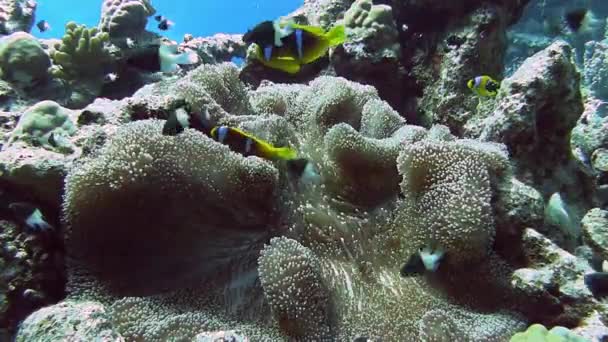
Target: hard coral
point(168, 189)
point(16, 15)
point(81, 53)
point(121, 18)
point(22, 59)
point(372, 25)
point(81, 60)
point(42, 120)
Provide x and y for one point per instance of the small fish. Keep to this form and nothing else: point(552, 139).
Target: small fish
point(288, 46)
point(484, 86)
point(130, 43)
point(180, 119)
point(159, 17)
point(43, 26)
point(59, 141)
point(413, 267)
point(268, 33)
point(163, 57)
point(597, 283)
point(109, 78)
point(165, 24)
point(248, 145)
point(31, 216)
point(425, 259)
point(575, 19)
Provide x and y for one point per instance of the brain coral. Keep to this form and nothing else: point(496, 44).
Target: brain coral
point(121, 18)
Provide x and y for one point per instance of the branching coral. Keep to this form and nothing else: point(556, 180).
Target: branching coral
point(81, 53)
point(81, 60)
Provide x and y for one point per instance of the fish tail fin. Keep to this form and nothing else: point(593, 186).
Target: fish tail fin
point(169, 62)
point(297, 166)
point(285, 153)
point(188, 57)
point(336, 36)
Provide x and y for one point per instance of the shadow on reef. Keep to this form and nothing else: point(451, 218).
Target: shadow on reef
point(254, 73)
point(32, 270)
point(142, 227)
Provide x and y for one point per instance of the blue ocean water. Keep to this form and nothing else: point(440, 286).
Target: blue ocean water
point(199, 17)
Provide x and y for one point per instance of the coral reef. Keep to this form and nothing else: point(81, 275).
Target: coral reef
point(31, 272)
point(373, 30)
point(46, 124)
point(553, 280)
point(595, 231)
point(212, 182)
point(81, 59)
point(124, 18)
point(588, 142)
point(537, 332)
point(217, 48)
point(16, 15)
point(595, 69)
point(22, 59)
point(75, 321)
point(182, 238)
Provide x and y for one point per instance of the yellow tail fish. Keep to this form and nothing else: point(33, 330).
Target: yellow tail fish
point(484, 86)
point(248, 145)
point(288, 46)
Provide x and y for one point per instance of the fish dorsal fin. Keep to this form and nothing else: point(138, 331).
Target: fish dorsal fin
point(318, 31)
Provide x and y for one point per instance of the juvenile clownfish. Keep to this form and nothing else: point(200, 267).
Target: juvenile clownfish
point(425, 259)
point(484, 86)
point(180, 119)
point(248, 145)
point(31, 216)
point(288, 46)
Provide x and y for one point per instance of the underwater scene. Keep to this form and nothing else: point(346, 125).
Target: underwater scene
point(304, 170)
